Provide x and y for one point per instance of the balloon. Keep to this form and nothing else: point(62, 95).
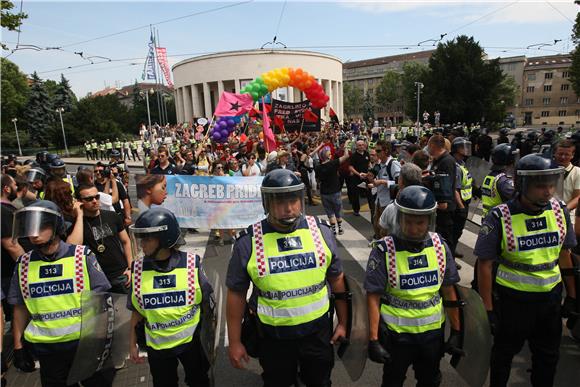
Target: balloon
point(231, 122)
point(216, 136)
point(255, 95)
point(224, 133)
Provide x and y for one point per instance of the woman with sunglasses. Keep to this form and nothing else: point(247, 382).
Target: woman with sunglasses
point(252, 168)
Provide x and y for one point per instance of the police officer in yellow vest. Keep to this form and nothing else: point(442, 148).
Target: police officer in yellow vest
point(108, 147)
point(167, 290)
point(408, 275)
point(461, 150)
point(529, 238)
point(58, 171)
point(88, 151)
point(289, 258)
point(94, 148)
point(46, 288)
point(498, 186)
point(117, 145)
point(102, 151)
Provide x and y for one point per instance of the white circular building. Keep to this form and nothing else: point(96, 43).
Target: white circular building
point(199, 81)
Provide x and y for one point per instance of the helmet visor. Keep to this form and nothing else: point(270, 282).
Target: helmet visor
point(35, 222)
point(539, 189)
point(464, 148)
point(145, 242)
point(34, 174)
point(284, 207)
point(414, 227)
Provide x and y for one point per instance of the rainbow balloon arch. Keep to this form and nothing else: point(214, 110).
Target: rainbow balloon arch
point(266, 83)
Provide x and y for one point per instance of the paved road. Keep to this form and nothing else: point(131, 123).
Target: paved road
point(354, 251)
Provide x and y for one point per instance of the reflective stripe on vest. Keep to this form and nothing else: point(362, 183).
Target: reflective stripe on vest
point(413, 304)
point(169, 302)
point(490, 197)
point(531, 247)
point(52, 294)
point(466, 183)
point(289, 273)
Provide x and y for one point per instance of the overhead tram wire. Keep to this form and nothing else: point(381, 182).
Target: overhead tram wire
point(482, 17)
point(560, 12)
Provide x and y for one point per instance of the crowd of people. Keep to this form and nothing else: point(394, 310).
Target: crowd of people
point(419, 188)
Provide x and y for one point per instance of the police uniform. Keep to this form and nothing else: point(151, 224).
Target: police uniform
point(88, 151)
point(497, 188)
point(94, 149)
point(169, 294)
point(109, 147)
point(50, 288)
point(464, 184)
point(291, 298)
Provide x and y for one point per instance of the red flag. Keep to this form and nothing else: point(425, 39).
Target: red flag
point(333, 116)
point(269, 139)
point(309, 116)
point(267, 107)
point(279, 122)
point(254, 113)
point(231, 104)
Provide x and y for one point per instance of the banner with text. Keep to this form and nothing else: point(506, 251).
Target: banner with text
point(293, 114)
point(206, 202)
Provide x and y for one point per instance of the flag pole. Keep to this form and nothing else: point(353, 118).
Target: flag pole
point(208, 128)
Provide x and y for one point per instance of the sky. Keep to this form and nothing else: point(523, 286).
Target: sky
point(115, 34)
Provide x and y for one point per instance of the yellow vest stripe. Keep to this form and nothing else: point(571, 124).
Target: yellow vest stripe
point(292, 312)
point(411, 322)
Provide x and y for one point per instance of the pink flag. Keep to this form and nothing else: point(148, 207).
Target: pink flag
point(269, 140)
point(162, 59)
point(231, 104)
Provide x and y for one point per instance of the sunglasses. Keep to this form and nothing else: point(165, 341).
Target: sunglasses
point(219, 167)
point(378, 150)
point(91, 198)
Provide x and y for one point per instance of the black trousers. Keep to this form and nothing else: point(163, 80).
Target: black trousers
point(459, 220)
point(89, 154)
point(444, 227)
point(313, 354)
point(354, 192)
point(54, 369)
point(194, 362)
point(424, 358)
point(537, 322)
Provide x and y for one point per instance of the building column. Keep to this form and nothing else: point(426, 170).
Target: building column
point(220, 89)
point(178, 95)
point(340, 106)
point(237, 85)
point(290, 94)
point(207, 101)
point(327, 89)
point(187, 111)
point(195, 98)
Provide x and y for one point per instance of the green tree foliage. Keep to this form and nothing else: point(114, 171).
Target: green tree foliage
point(464, 87)
point(14, 97)
point(389, 89)
point(369, 107)
point(575, 68)
point(412, 72)
point(10, 20)
point(63, 95)
point(38, 114)
point(353, 99)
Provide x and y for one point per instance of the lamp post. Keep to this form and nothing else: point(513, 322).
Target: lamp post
point(419, 87)
point(59, 111)
point(17, 138)
point(150, 91)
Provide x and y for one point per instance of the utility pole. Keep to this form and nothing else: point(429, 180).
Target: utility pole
point(419, 87)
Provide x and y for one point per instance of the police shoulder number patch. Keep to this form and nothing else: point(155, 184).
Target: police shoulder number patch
point(485, 229)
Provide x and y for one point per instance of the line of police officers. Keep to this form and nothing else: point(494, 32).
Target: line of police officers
point(298, 283)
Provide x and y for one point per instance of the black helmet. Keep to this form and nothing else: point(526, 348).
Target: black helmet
point(115, 153)
point(57, 163)
point(519, 135)
point(31, 220)
point(533, 136)
point(504, 154)
point(282, 185)
point(50, 157)
point(504, 131)
point(415, 200)
point(159, 223)
point(41, 157)
point(461, 143)
point(534, 168)
point(549, 135)
point(34, 174)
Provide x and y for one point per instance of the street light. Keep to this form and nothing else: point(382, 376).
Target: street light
point(151, 91)
point(419, 87)
point(17, 138)
point(59, 111)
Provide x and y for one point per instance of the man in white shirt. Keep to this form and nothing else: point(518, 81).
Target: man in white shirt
point(563, 154)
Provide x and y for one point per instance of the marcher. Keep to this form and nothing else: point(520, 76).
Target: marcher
point(282, 283)
point(406, 321)
point(529, 239)
point(168, 289)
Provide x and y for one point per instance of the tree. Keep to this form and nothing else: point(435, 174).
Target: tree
point(14, 97)
point(575, 67)
point(64, 96)
point(38, 114)
point(9, 20)
point(412, 72)
point(388, 90)
point(464, 87)
point(353, 99)
point(369, 107)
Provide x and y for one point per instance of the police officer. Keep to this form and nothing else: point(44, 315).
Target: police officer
point(484, 144)
point(108, 147)
point(94, 148)
point(88, 151)
point(46, 288)
point(58, 171)
point(407, 275)
point(134, 147)
point(530, 144)
point(117, 145)
point(461, 150)
point(102, 150)
point(503, 138)
point(498, 186)
point(529, 238)
point(168, 292)
point(289, 257)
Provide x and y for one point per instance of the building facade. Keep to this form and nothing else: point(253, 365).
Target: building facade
point(199, 81)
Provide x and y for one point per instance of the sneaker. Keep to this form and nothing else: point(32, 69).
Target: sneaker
point(356, 213)
point(340, 231)
point(458, 265)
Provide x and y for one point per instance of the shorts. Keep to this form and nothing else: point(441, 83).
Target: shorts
point(332, 204)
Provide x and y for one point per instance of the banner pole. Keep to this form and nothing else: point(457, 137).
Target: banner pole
point(208, 128)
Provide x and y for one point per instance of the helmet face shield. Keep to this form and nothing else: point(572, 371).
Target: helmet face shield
point(146, 242)
point(35, 175)
point(464, 148)
point(284, 207)
point(414, 227)
point(36, 222)
point(539, 189)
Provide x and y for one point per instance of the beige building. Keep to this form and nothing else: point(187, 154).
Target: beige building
point(367, 74)
point(199, 81)
point(547, 94)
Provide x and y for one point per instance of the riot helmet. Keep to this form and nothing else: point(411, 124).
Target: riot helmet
point(538, 178)
point(41, 157)
point(504, 131)
point(41, 222)
point(416, 211)
point(35, 174)
point(58, 168)
point(504, 155)
point(155, 229)
point(462, 146)
point(115, 154)
point(532, 136)
point(283, 198)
